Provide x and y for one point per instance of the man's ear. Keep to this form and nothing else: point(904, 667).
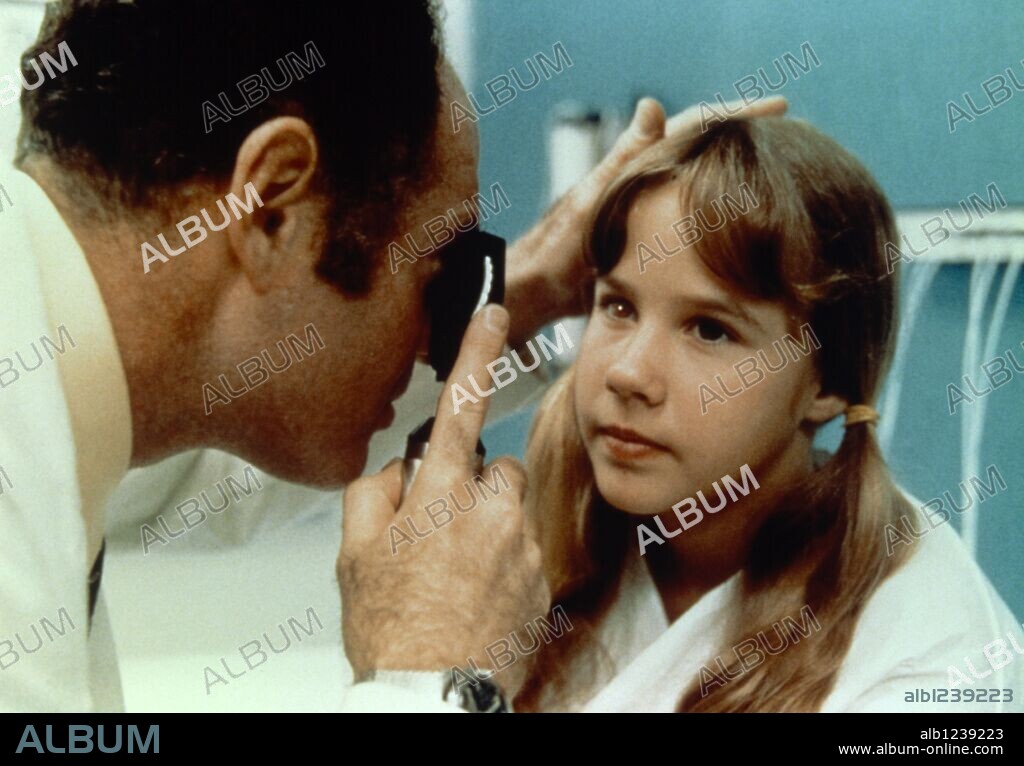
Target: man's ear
point(824, 407)
point(273, 177)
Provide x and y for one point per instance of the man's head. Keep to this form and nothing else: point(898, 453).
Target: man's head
point(345, 158)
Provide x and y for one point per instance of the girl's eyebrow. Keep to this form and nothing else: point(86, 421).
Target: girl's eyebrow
point(614, 284)
point(700, 302)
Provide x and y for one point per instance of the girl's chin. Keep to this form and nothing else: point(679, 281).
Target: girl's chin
point(632, 495)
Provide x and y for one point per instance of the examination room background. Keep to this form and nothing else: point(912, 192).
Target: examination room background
point(887, 71)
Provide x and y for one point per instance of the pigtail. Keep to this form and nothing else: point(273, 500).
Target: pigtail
point(815, 562)
point(583, 544)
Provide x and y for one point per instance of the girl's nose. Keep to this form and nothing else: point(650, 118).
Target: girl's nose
point(637, 373)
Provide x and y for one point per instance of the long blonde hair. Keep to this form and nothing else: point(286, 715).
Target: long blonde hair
point(816, 242)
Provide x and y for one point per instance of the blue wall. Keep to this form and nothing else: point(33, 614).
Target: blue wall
point(887, 72)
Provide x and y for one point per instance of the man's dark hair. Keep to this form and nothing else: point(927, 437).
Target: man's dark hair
point(131, 116)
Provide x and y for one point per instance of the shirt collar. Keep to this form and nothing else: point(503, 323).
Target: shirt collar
point(652, 678)
point(91, 371)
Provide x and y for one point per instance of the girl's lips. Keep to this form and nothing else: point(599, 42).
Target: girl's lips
point(629, 436)
point(623, 444)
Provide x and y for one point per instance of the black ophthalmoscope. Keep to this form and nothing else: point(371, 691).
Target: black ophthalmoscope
point(472, 275)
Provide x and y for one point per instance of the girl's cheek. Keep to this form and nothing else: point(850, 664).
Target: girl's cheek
point(694, 371)
point(597, 347)
point(590, 368)
point(759, 415)
point(789, 387)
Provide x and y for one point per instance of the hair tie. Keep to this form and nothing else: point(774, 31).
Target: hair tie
point(860, 413)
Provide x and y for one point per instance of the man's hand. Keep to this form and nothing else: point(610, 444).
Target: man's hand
point(545, 265)
point(438, 602)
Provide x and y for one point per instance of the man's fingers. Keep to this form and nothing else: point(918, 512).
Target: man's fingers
point(646, 127)
point(461, 411)
point(505, 472)
point(690, 118)
point(765, 107)
point(649, 126)
point(687, 119)
point(369, 505)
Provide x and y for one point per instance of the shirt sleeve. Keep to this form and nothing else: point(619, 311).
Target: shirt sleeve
point(44, 621)
point(935, 637)
point(379, 697)
point(44, 651)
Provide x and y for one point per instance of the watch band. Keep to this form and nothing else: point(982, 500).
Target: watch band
point(472, 689)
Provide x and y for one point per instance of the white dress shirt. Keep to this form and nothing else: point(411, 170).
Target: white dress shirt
point(182, 606)
point(65, 443)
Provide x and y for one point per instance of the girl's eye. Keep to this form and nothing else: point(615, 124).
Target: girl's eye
point(711, 331)
point(615, 307)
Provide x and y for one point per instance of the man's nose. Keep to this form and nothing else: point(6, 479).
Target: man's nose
point(638, 371)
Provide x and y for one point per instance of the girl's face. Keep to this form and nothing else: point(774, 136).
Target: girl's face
point(653, 338)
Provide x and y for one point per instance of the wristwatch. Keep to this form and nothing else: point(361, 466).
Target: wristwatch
point(473, 689)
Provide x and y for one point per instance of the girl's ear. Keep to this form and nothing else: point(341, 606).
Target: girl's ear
point(824, 407)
